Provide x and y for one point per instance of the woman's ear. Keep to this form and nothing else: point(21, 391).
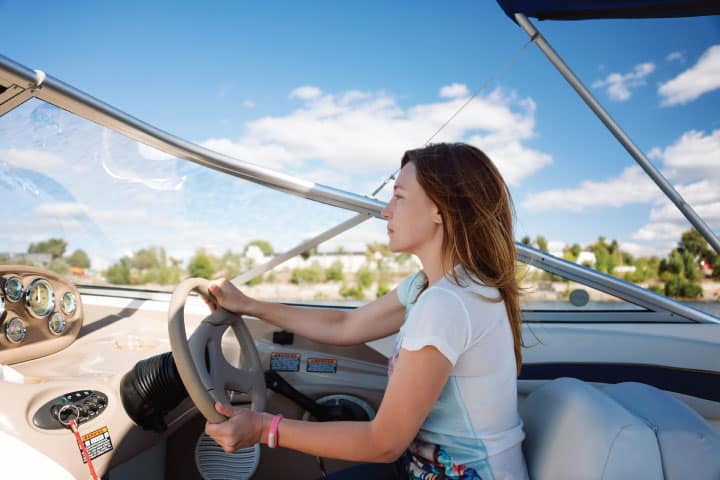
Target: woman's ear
point(436, 217)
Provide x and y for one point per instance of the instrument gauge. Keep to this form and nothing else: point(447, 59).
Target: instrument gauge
point(68, 303)
point(13, 289)
point(15, 330)
point(57, 323)
point(40, 298)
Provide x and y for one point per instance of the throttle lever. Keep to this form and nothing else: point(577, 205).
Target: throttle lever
point(278, 384)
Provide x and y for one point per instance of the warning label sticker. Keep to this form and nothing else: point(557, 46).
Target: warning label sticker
point(285, 362)
point(321, 365)
point(97, 443)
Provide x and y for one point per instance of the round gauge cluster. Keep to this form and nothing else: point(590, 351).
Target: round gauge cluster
point(39, 299)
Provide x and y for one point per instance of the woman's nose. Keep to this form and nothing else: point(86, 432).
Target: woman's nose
point(385, 212)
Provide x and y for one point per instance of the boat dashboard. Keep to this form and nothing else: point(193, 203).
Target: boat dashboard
point(53, 369)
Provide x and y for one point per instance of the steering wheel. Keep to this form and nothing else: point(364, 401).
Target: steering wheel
point(203, 369)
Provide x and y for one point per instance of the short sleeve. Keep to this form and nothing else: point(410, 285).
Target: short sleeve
point(438, 319)
point(408, 289)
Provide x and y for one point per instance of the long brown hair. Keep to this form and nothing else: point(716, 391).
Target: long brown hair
point(477, 218)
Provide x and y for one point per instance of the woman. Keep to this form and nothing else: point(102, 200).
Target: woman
point(450, 408)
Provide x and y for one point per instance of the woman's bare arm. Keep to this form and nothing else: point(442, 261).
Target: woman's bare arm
point(374, 320)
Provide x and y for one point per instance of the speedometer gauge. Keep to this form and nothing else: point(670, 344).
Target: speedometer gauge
point(13, 289)
point(40, 298)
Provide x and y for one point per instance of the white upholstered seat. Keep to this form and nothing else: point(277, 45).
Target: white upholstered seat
point(575, 431)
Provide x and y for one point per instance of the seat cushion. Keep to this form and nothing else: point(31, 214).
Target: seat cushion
point(689, 446)
point(575, 431)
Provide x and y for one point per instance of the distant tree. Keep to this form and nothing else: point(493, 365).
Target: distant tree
point(79, 259)
point(233, 264)
point(201, 264)
point(627, 258)
point(54, 246)
point(692, 241)
point(119, 273)
point(146, 258)
point(59, 265)
point(4, 259)
point(309, 253)
point(526, 240)
point(541, 243)
point(264, 246)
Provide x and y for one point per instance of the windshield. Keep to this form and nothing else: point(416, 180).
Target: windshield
point(105, 210)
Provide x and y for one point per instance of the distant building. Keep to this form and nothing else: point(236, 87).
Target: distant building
point(586, 258)
point(42, 259)
point(624, 269)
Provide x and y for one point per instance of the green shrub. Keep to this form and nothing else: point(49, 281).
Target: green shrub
point(335, 271)
point(364, 277)
point(356, 292)
point(312, 274)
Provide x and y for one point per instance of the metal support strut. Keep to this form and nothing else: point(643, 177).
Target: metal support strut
point(615, 129)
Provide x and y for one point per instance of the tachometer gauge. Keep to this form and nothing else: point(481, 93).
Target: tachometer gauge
point(13, 289)
point(57, 323)
point(40, 297)
point(68, 303)
point(15, 330)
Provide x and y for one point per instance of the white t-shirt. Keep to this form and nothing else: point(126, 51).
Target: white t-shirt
point(474, 428)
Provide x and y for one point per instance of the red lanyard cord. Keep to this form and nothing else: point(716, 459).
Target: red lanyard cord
point(81, 444)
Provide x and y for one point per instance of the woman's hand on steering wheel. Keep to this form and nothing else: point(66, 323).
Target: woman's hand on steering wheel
point(243, 428)
point(226, 295)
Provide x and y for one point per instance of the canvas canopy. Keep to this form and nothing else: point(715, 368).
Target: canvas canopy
point(584, 9)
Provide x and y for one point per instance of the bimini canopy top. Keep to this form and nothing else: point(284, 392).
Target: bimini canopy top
point(583, 9)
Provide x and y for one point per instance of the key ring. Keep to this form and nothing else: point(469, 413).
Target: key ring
point(70, 406)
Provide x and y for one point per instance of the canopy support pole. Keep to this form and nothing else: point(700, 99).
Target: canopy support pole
point(615, 129)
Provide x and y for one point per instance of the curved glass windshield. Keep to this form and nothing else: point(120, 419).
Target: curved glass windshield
point(102, 209)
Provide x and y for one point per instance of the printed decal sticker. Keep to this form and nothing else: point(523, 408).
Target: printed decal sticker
point(97, 442)
point(285, 362)
point(321, 365)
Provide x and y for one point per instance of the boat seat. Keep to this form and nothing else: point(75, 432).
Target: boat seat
point(575, 431)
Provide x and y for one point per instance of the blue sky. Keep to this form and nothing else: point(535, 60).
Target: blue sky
point(334, 92)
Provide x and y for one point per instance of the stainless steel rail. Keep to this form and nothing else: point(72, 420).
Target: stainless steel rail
point(615, 129)
point(65, 96)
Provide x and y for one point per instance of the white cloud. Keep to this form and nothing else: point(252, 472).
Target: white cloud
point(701, 78)
point(31, 159)
point(619, 84)
point(120, 216)
point(691, 157)
point(675, 57)
point(660, 231)
point(454, 90)
point(632, 186)
point(368, 132)
point(62, 209)
point(306, 93)
point(248, 104)
point(658, 249)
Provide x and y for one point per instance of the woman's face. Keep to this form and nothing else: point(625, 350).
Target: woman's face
point(413, 219)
